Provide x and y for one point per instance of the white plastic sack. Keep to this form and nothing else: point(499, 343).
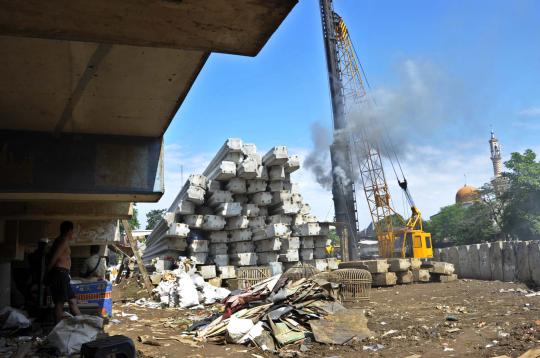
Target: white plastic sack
point(71, 333)
point(187, 291)
point(12, 318)
point(238, 328)
point(213, 294)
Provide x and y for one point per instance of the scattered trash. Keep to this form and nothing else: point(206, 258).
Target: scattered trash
point(373, 347)
point(71, 333)
point(453, 330)
point(492, 344)
point(279, 311)
point(452, 318)
point(448, 349)
point(390, 332)
point(503, 334)
point(145, 339)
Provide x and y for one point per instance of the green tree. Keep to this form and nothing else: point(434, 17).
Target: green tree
point(133, 222)
point(521, 197)
point(458, 224)
point(153, 217)
point(333, 236)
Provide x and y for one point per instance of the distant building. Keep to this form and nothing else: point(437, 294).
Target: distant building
point(495, 148)
point(467, 195)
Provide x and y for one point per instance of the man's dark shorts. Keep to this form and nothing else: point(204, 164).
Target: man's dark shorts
point(59, 285)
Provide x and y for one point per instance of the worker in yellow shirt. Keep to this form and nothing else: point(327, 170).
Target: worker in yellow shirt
point(329, 249)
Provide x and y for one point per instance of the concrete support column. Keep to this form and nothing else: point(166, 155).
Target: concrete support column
point(5, 284)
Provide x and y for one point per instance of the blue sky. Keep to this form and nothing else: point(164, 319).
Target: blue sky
point(479, 60)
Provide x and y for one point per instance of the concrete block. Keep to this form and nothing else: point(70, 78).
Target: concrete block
point(321, 241)
point(237, 222)
point(276, 156)
point(321, 264)
point(229, 209)
point(257, 224)
point(289, 256)
point(509, 262)
point(220, 260)
point(249, 149)
point(281, 196)
point(292, 164)
point(404, 277)
point(250, 210)
point(485, 262)
point(259, 235)
point(243, 259)
point(474, 260)
point(534, 261)
point(444, 278)
point(256, 186)
point(285, 208)
point(224, 171)
point(219, 197)
point(442, 255)
point(237, 186)
point(248, 169)
point(276, 185)
point(523, 271)
point(261, 199)
point(175, 243)
point(280, 219)
point(262, 173)
point(263, 211)
point(276, 268)
point(267, 257)
point(198, 180)
point(464, 262)
point(496, 255)
point(234, 157)
point(198, 246)
point(278, 230)
point(213, 223)
point(276, 172)
point(453, 258)
point(241, 246)
point(307, 229)
point(398, 265)
point(307, 243)
point(199, 258)
point(178, 230)
point(415, 263)
point(373, 266)
point(319, 253)
point(421, 275)
point(443, 268)
point(218, 249)
point(185, 207)
point(207, 271)
point(273, 244)
point(204, 210)
point(240, 235)
point(226, 272)
point(291, 243)
point(384, 279)
point(305, 209)
point(194, 221)
point(241, 198)
point(333, 263)
point(213, 186)
point(306, 254)
point(232, 284)
point(219, 237)
point(298, 220)
point(195, 195)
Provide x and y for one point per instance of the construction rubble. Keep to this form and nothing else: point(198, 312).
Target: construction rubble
point(279, 311)
point(242, 211)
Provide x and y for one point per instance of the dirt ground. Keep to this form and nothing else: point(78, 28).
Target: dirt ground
point(467, 318)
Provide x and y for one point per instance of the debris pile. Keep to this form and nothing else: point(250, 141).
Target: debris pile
point(185, 288)
point(243, 210)
point(277, 312)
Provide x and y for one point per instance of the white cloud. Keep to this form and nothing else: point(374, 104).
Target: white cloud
point(530, 112)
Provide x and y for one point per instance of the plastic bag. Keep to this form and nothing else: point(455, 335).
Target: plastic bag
point(187, 291)
point(12, 318)
point(238, 328)
point(71, 333)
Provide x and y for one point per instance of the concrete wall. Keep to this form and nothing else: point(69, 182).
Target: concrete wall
point(501, 260)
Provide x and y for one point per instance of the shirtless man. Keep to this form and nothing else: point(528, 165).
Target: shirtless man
point(58, 272)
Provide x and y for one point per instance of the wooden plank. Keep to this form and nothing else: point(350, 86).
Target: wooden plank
point(142, 268)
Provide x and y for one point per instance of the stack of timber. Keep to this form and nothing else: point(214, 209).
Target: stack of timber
point(243, 210)
point(389, 272)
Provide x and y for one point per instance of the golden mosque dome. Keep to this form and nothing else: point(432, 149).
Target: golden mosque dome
point(467, 194)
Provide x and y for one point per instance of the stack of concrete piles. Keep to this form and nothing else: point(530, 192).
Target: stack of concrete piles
point(389, 272)
point(242, 210)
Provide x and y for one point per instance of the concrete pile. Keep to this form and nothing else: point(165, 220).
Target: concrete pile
point(243, 210)
point(389, 272)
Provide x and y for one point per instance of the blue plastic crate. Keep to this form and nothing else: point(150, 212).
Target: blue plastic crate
point(99, 292)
